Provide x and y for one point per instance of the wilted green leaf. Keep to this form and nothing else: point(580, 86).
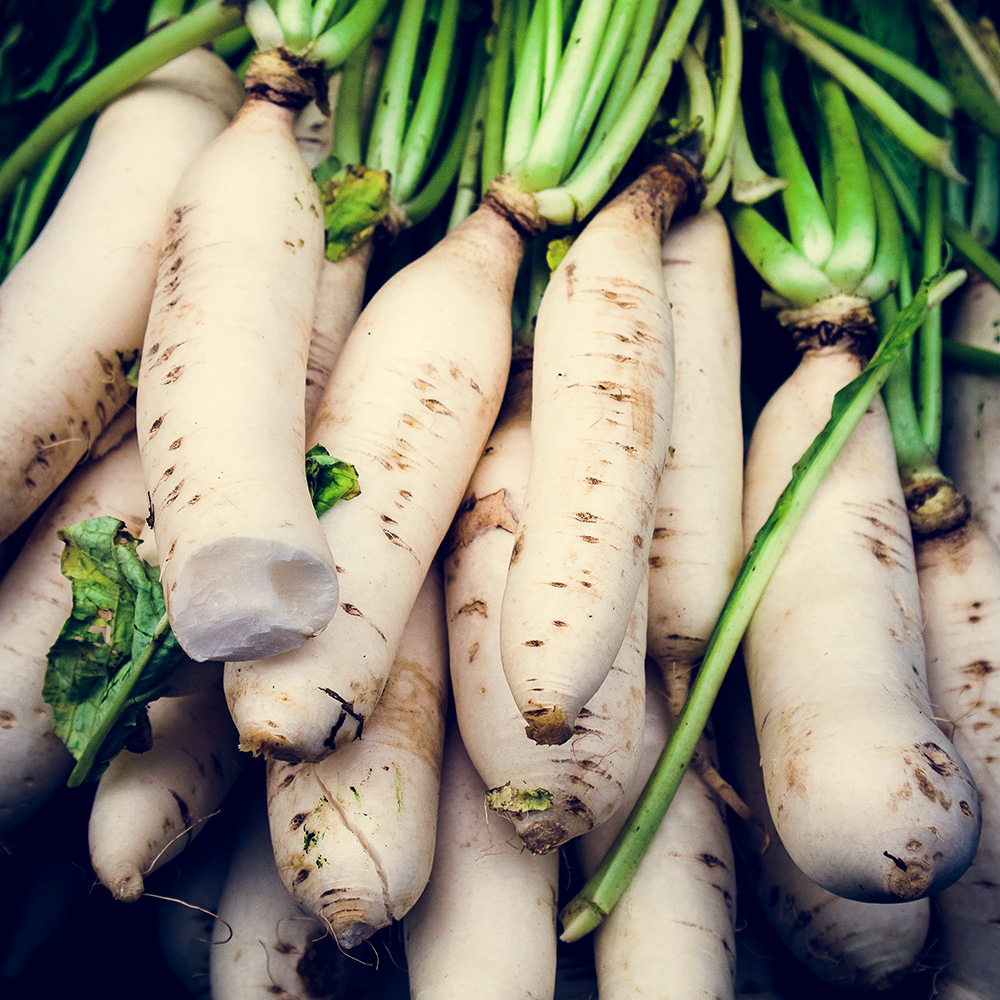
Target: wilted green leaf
point(329, 479)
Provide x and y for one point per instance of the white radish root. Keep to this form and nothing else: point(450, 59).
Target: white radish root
point(600, 428)
point(486, 896)
point(869, 798)
point(580, 783)
point(74, 308)
point(245, 566)
point(410, 405)
point(35, 601)
point(353, 834)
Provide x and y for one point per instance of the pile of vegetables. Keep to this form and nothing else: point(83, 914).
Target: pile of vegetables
point(499, 498)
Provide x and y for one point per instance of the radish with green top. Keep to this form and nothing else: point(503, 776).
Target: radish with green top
point(414, 425)
point(84, 331)
point(550, 793)
point(353, 835)
point(486, 894)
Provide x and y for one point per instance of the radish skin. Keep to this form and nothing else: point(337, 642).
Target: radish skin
point(149, 806)
point(697, 542)
point(245, 567)
point(353, 835)
point(486, 896)
point(585, 779)
point(74, 308)
point(684, 890)
point(35, 601)
point(960, 587)
point(410, 405)
point(869, 798)
point(601, 414)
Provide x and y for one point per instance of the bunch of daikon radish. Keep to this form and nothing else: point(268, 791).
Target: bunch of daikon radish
point(547, 528)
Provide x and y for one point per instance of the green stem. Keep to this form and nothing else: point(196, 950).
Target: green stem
point(295, 18)
point(930, 149)
point(347, 114)
point(197, 28)
point(929, 387)
point(974, 252)
point(604, 888)
point(729, 91)
point(931, 91)
point(750, 182)
point(697, 90)
point(333, 47)
point(883, 276)
point(496, 103)
point(117, 705)
point(526, 97)
point(809, 225)
point(874, 145)
point(976, 359)
point(984, 218)
point(418, 143)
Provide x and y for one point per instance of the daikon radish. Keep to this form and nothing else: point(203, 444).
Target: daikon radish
point(959, 575)
point(353, 834)
point(684, 890)
point(245, 567)
point(869, 798)
point(410, 404)
point(550, 793)
point(149, 806)
point(972, 407)
point(697, 539)
point(35, 600)
point(851, 944)
point(486, 896)
point(75, 306)
point(600, 426)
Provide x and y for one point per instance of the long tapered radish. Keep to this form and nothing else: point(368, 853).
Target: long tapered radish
point(410, 404)
point(550, 793)
point(971, 406)
point(150, 805)
point(35, 600)
point(245, 567)
point(601, 412)
point(959, 574)
point(697, 541)
point(74, 308)
point(486, 896)
point(684, 890)
point(851, 944)
point(353, 834)
point(868, 796)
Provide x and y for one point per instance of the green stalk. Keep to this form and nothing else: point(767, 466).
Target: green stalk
point(931, 91)
point(976, 359)
point(385, 141)
point(496, 104)
point(782, 265)
point(467, 193)
point(424, 121)
point(884, 275)
point(38, 194)
point(697, 89)
point(545, 164)
point(526, 98)
point(553, 46)
point(750, 183)
point(604, 888)
point(333, 47)
point(603, 159)
point(347, 115)
point(854, 230)
point(808, 223)
point(984, 217)
point(117, 704)
point(295, 18)
point(196, 28)
point(930, 149)
point(904, 195)
point(325, 13)
point(973, 251)
point(729, 90)
point(929, 388)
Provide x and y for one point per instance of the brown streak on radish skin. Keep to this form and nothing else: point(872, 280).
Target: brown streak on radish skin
point(478, 515)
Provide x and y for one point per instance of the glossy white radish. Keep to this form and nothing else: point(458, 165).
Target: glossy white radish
point(35, 601)
point(245, 566)
point(74, 308)
point(959, 574)
point(410, 405)
point(869, 798)
point(697, 542)
point(353, 834)
point(263, 944)
point(486, 896)
point(971, 430)
point(601, 413)
point(851, 944)
point(550, 793)
point(149, 806)
point(684, 890)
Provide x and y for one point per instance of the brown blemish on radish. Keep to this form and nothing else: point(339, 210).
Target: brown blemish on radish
point(473, 649)
point(557, 583)
point(477, 515)
point(155, 425)
point(475, 607)
point(8, 720)
point(300, 876)
point(436, 406)
point(978, 669)
point(396, 540)
point(590, 539)
point(533, 642)
point(172, 495)
point(584, 516)
point(176, 444)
